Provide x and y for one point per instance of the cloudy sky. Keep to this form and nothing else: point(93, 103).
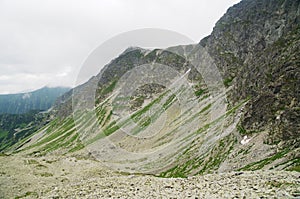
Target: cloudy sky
point(45, 42)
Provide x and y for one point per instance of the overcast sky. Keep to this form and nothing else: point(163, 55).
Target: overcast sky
point(46, 42)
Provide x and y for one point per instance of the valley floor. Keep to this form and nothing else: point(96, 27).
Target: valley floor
point(81, 177)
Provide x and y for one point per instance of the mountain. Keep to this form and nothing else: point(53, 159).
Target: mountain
point(15, 127)
point(20, 114)
point(41, 99)
point(254, 46)
point(228, 104)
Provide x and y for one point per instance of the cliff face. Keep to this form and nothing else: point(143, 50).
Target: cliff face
point(256, 46)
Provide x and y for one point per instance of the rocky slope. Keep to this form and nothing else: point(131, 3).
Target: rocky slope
point(227, 104)
point(256, 46)
point(198, 122)
point(75, 177)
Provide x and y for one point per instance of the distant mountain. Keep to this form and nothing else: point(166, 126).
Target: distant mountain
point(15, 127)
point(41, 99)
point(20, 114)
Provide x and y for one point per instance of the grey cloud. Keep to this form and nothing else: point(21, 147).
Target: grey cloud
point(46, 42)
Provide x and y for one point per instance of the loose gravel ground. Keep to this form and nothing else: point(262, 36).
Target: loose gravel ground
point(75, 177)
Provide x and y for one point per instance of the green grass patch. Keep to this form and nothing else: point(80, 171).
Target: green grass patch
point(188, 162)
point(111, 130)
point(146, 121)
point(169, 101)
point(295, 165)
point(228, 81)
point(142, 124)
point(53, 134)
point(295, 168)
point(233, 109)
point(205, 108)
point(218, 154)
point(241, 130)
point(137, 115)
point(174, 172)
point(46, 174)
point(3, 134)
point(200, 92)
point(107, 119)
point(109, 88)
point(260, 164)
point(57, 143)
point(78, 147)
point(101, 115)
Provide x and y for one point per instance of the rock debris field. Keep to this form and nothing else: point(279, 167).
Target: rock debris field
point(77, 177)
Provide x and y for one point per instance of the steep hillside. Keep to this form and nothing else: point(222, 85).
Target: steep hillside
point(41, 99)
point(229, 103)
point(256, 46)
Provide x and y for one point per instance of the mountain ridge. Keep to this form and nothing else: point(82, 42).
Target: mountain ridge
point(235, 54)
point(40, 99)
